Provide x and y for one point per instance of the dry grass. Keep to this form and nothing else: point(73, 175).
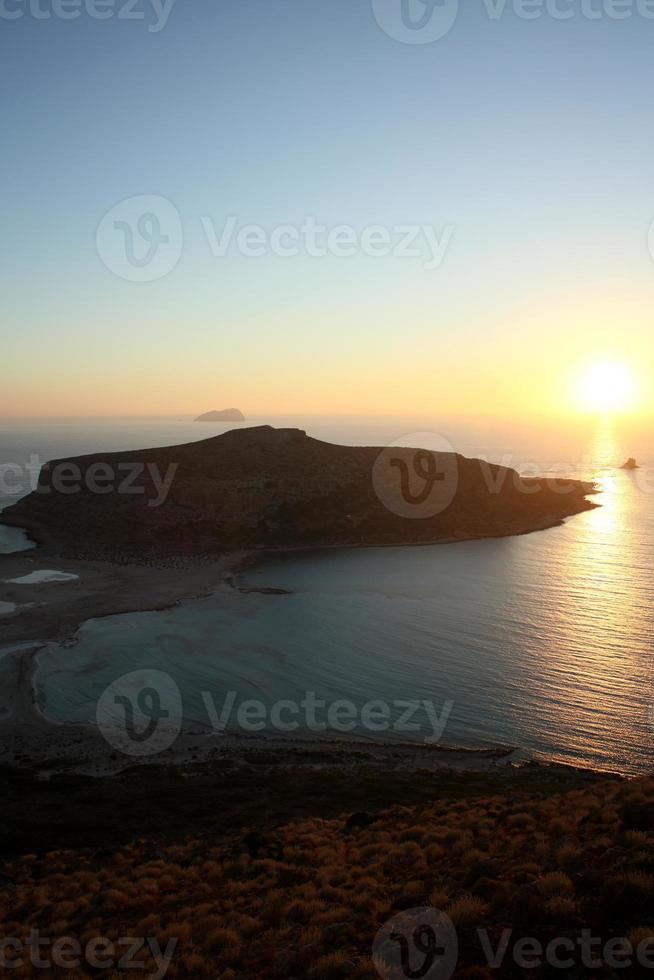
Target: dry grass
point(311, 901)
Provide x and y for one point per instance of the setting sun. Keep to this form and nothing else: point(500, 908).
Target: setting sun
point(607, 387)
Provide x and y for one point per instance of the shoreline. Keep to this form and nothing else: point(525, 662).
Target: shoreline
point(29, 740)
point(47, 749)
point(57, 806)
point(32, 742)
point(52, 748)
point(55, 612)
point(109, 587)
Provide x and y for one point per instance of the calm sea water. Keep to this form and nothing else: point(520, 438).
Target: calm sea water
point(542, 641)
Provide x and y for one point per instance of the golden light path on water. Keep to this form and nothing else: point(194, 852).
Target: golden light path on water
point(594, 672)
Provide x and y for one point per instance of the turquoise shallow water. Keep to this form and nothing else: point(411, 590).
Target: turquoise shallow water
point(542, 641)
point(14, 539)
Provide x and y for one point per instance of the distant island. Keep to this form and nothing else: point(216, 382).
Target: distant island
point(631, 464)
point(225, 415)
point(265, 488)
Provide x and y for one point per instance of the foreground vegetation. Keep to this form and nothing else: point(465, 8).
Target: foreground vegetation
point(304, 897)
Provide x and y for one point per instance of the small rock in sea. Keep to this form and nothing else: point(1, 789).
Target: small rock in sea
point(631, 464)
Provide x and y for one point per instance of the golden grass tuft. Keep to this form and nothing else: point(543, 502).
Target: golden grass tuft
point(467, 910)
point(555, 883)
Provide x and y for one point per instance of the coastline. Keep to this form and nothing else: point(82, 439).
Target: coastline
point(55, 613)
point(112, 587)
point(46, 750)
point(30, 741)
point(60, 804)
point(74, 787)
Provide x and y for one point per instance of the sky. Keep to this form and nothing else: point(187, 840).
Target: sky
point(512, 156)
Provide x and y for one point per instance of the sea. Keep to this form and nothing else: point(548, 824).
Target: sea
point(542, 642)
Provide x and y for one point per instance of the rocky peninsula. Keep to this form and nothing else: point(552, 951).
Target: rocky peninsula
point(266, 488)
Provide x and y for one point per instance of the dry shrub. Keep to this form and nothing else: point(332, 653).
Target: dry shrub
point(333, 966)
point(222, 939)
point(467, 910)
point(560, 907)
point(555, 883)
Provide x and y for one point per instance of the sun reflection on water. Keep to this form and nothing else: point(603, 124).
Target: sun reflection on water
point(597, 664)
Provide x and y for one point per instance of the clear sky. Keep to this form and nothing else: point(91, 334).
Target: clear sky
point(526, 145)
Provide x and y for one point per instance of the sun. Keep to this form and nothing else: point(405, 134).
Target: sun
point(608, 386)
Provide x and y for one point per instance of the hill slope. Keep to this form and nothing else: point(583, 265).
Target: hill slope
point(306, 898)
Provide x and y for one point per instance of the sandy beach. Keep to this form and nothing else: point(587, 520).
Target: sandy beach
point(55, 610)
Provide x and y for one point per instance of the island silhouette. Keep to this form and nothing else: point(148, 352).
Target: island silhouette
point(223, 415)
point(267, 488)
